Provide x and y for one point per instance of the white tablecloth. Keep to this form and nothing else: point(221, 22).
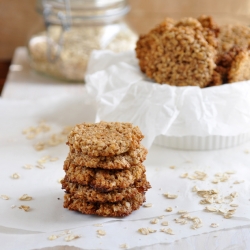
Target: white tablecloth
point(23, 83)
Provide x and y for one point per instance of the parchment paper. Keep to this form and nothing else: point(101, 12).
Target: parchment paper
point(123, 93)
point(47, 215)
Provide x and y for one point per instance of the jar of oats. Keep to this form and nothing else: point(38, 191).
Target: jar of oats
point(73, 29)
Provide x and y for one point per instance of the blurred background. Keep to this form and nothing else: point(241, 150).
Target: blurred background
point(19, 19)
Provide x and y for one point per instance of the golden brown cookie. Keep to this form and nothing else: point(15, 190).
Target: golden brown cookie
point(233, 35)
point(180, 56)
point(103, 179)
point(224, 63)
point(108, 209)
point(89, 194)
point(104, 138)
point(122, 161)
point(240, 68)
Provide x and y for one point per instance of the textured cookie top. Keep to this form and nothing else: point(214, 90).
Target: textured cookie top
point(104, 138)
point(179, 56)
point(234, 35)
point(240, 70)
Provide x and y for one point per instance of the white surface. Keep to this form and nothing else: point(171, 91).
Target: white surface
point(235, 158)
point(47, 214)
point(124, 94)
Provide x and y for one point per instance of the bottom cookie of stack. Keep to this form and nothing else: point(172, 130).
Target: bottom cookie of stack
point(112, 209)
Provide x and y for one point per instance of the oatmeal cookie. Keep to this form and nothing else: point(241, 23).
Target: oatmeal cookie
point(89, 194)
point(122, 161)
point(103, 179)
point(108, 209)
point(240, 70)
point(104, 138)
point(224, 63)
point(180, 56)
point(233, 35)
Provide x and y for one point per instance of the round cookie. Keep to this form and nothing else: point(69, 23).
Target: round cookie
point(104, 180)
point(104, 138)
point(180, 56)
point(122, 161)
point(108, 209)
point(92, 195)
point(233, 35)
point(240, 70)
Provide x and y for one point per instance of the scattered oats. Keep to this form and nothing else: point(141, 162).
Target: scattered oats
point(53, 237)
point(97, 225)
point(192, 177)
point(40, 166)
point(25, 208)
point(195, 189)
point(71, 237)
point(186, 215)
point(124, 246)
point(215, 181)
point(59, 180)
point(238, 182)
point(206, 193)
point(28, 166)
point(15, 176)
point(172, 167)
point(222, 211)
point(228, 216)
point(246, 152)
point(67, 232)
point(147, 205)
point(170, 196)
point(161, 217)
point(231, 211)
point(13, 206)
point(150, 230)
point(39, 146)
point(234, 205)
point(143, 231)
point(182, 212)
point(214, 225)
point(164, 223)
point(25, 197)
point(5, 197)
point(154, 221)
point(169, 209)
point(181, 221)
point(219, 174)
point(234, 194)
point(53, 159)
point(44, 159)
point(167, 231)
point(101, 232)
point(211, 209)
point(196, 220)
point(185, 175)
point(230, 172)
point(195, 226)
point(219, 201)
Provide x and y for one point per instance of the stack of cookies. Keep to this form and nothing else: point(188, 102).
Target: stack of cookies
point(104, 171)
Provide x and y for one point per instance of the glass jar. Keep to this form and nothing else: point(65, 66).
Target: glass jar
point(75, 28)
